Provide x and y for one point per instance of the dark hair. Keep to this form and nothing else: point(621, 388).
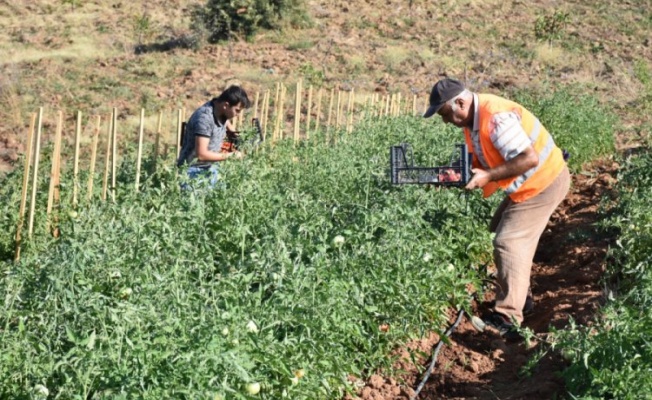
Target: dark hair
point(233, 95)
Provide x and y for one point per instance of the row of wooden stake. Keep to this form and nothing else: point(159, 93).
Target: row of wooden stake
point(374, 105)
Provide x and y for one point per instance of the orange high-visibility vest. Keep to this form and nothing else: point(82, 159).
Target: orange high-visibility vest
point(536, 179)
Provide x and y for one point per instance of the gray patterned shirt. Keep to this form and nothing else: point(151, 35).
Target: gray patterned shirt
point(201, 123)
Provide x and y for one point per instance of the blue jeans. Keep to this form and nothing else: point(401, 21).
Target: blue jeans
point(201, 178)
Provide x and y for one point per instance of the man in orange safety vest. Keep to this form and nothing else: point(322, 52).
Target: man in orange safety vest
point(512, 151)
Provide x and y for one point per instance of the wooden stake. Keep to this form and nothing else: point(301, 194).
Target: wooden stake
point(55, 167)
point(377, 104)
point(309, 112)
point(37, 151)
point(397, 104)
point(107, 160)
point(349, 110)
point(318, 117)
point(338, 120)
point(414, 104)
point(277, 99)
point(408, 107)
point(179, 127)
point(297, 111)
point(265, 113)
point(114, 163)
point(280, 121)
point(157, 140)
point(330, 112)
point(140, 147)
point(55, 178)
point(277, 122)
point(23, 195)
point(256, 105)
point(380, 105)
point(75, 183)
point(91, 176)
point(387, 104)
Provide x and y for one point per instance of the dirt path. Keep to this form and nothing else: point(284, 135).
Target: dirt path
point(565, 283)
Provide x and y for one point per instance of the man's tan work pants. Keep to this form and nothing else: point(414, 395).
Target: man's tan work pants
point(518, 227)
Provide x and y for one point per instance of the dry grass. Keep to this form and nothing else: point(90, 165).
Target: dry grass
point(12, 110)
point(356, 63)
point(427, 56)
point(251, 76)
point(551, 56)
point(393, 56)
point(372, 41)
point(81, 48)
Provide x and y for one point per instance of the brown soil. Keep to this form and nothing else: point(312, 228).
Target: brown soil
point(565, 284)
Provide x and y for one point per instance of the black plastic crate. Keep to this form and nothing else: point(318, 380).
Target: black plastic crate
point(403, 171)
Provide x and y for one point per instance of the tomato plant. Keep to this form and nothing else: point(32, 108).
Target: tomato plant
point(305, 256)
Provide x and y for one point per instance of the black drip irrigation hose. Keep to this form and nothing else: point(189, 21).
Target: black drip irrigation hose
point(448, 332)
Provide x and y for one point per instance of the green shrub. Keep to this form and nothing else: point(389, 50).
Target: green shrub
point(221, 19)
point(552, 26)
point(577, 122)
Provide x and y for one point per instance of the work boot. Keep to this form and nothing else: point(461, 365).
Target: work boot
point(528, 308)
point(504, 326)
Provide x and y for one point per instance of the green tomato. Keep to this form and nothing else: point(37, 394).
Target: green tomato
point(568, 354)
point(338, 241)
point(73, 214)
point(126, 292)
point(252, 327)
point(41, 390)
point(252, 388)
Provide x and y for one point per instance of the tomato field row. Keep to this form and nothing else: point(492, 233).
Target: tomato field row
point(292, 265)
point(613, 358)
point(295, 277)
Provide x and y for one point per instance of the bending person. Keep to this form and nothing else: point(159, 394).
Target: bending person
point(512, 151)
point(207, 132)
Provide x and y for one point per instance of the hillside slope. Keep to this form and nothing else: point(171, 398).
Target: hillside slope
point(83, 58)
